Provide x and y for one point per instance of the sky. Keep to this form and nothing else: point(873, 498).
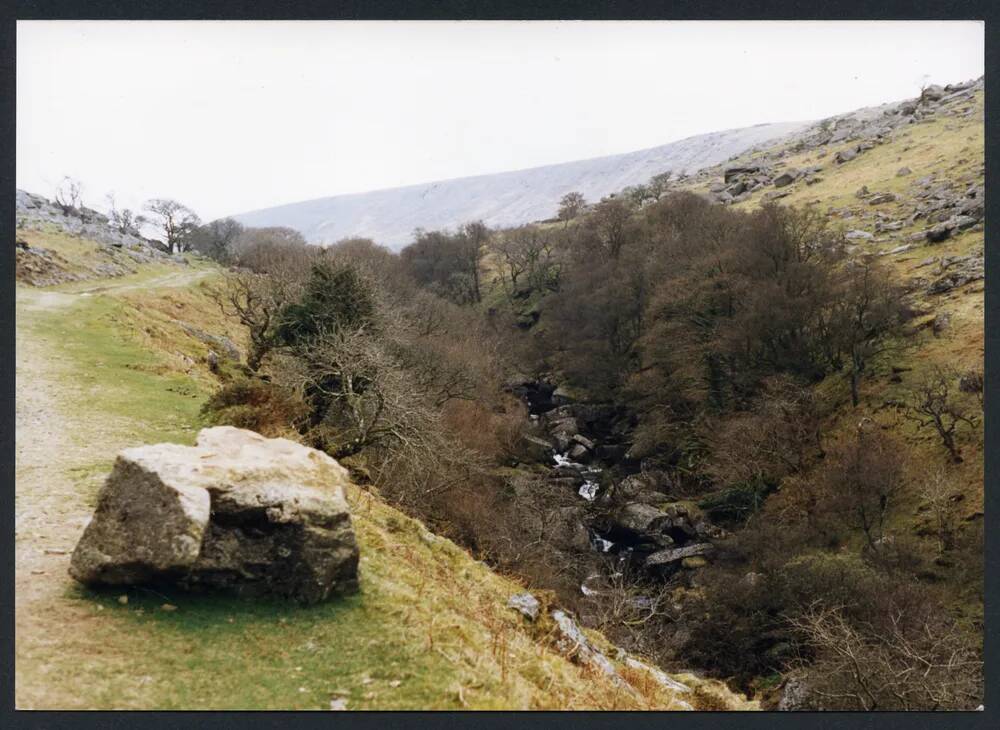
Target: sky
point(232, 116)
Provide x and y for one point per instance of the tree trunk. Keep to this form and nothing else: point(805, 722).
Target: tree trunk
point(949, 443)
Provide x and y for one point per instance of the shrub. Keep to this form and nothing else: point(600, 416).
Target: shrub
point(257, 405)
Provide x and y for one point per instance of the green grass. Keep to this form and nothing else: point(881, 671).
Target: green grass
point(226, 653)
point(124, 377)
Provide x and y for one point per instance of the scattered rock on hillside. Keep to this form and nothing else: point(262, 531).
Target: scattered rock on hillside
point(645, 521)
point(37, 212)
point(880, 198)
point(525, 604)
point(41, 267)
point(786, 178)
point(961, 270)
point(673, 555)
point(845, 156)
point(732, 173)
point(941, 322)
point(939, 233)
point(572, 642)
point(219, 342)
point(237, 511)
point(932, 93)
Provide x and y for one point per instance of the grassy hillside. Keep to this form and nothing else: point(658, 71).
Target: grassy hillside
point(110, 364)
point(949, 150)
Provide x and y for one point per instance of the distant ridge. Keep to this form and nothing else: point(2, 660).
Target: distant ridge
point(503, 199)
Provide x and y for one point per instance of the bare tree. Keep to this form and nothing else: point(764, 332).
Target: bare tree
point(255, 300)
point(176, 221)
point(362, 398)
point(937, 492)
point(866, 318)
point(473, 237)
point(124, 219)
point(278, 251)
point(769, 441)
point(862, 478)
point(68, 193)
point(933, 403)
point(216, 239)
point(905, 663)
point(659, 185)
point(447, 263)
point(528, 251)
point(609, 222)
point(639, 195)
point(571, 205)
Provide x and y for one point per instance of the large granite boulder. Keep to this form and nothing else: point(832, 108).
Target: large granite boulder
point(237, 511)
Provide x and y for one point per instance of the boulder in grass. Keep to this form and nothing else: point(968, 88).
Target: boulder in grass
point(237, 511)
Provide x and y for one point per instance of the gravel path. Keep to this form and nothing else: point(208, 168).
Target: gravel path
point(61, 435)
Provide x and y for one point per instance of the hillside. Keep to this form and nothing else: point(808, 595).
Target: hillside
point(902, 187)
point(504, 199)
point(666, 416)
point(116, 358)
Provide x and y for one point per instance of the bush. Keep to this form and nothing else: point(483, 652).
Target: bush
point(735, 504)
point(256, 405)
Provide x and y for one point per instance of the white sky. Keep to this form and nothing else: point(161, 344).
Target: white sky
point(232, 116)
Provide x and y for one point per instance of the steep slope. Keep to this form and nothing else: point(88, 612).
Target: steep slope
point(103, 366)
point(504, 199)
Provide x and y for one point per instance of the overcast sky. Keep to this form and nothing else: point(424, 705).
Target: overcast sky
point(232, 116)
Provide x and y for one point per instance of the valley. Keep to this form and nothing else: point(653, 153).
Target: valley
point(721, 423)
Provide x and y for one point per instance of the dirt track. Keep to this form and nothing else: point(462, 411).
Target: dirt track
point(61, 433)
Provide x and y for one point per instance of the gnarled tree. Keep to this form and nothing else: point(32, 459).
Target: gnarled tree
point(176, 222)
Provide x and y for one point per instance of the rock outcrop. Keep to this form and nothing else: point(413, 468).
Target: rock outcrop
point(853, 134)
point(625, 670)
point(37, 212)
point(237, 511)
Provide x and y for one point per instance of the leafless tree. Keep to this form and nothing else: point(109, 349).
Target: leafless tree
point(68, 193)
point(571, 205)
point(902, 664)
point(639, 195)
point(609, 221)
point(449, 263)
point(255, 300)
point(279, 252)
point(528, 251)
point(175, 221)
point(367, 398)
point(932, 402)
point(473, 237)
point(770, 440)
point(862, 478)
point(217, 239)
point(124, 219)
point(866, 317)
point(938, 492)
point(659, 185)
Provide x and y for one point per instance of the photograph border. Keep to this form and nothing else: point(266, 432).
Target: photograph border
point(514, 10)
